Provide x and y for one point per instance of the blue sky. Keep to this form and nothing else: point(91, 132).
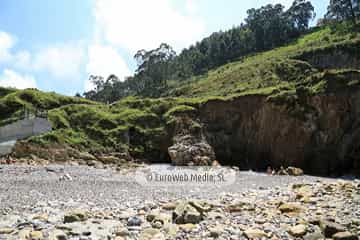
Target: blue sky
point(56, 45)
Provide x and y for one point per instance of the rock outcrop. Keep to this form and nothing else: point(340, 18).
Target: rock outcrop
point(320, 135)
point(189, 151)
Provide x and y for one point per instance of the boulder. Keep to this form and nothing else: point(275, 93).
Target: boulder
point(189, 151)
point(189, 212)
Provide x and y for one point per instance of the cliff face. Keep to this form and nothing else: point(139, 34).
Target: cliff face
point(320, 135)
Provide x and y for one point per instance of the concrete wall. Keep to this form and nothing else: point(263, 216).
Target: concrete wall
point(24, 128)
point(6, 147)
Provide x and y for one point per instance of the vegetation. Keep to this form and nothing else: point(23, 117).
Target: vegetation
point(343, 10)
point(161, 72)
point(180, 84)
point(281, 68)
point(264, 28)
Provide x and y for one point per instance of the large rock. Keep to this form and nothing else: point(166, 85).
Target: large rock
point(189, 151)
point(189, 212)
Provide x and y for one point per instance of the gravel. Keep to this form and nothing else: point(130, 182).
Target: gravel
point(23, 186)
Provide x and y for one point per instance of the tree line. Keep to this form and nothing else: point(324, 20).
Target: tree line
point(264, 28)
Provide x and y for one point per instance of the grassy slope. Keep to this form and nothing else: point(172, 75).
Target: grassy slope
point(99, 127)
point(268, 72)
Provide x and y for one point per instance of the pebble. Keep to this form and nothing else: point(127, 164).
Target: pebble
point(298, 230)
point(134, 221)
point(344, 236)
point(254, 233)
point(282, 212)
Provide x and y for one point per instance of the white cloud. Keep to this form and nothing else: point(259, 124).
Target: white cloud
point(10, 78)
point(103, 61)
point(6, 43)
point(191, 6)
point(60, 61)
point(144, 24)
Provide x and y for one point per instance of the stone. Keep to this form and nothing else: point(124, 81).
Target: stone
point(298, 230)
point(36, 235)
point(151, 216)
point(187, 227)
point(160, 220)
point(170, 206)
point(356, 221)
point(201, 206)
point(120, 238)
point(42, 217)
point(216, 231)
point(314, 236)
point(134, 221)
point(86, 156)
point(121, 231)
point(344, 236)
point(304, 191)
point(254, 233)
point(214, 215)
point(240, 206)
point(151, 234)
point(77, 215)
point(330, 228)
point(6, 230)
point(157, 224)
point(193, 150)
point(24, 234)
point(171, 230)
point(185, 213)
point(290, 208)
point(126, 214)
point(108, 159)
point(293, 171)
point(57, 235)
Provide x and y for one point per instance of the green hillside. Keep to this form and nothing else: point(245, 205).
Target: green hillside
point(144, 126)
point(281, 69)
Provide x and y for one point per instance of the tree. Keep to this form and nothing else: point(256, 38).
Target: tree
point(269, 25)
point(264, 28)
point(154, 68)
point(343, 10)
point(300, 14)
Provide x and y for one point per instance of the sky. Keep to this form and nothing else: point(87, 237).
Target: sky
point(56, 45)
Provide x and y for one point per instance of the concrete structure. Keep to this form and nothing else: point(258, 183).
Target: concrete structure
point(6, 147)
point(21, 129)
